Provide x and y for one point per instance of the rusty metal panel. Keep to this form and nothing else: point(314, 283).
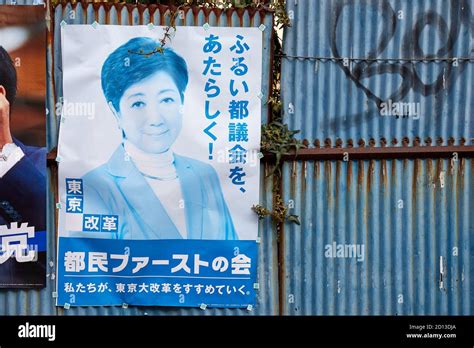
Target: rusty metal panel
point(344, 58)
point(22, 2)
point(415, 220)
point(413, 217)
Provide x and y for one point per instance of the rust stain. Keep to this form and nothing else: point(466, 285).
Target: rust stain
point(349, 175)
point(370, 173)
point(303, 184)
point(383, 177)
point(303, 175)
point(338, 174)
point(360, 180)
point(328, 179)
point(438, 175)
point(414, 196)
point(360, 173)
point(368, 202)
point(436, 169)
point(316, 165)
point(414, 187)
point(429, 172)
point(293, 180)
point(457, 197)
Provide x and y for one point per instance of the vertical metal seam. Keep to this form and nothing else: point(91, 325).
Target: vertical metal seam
point(280, 235)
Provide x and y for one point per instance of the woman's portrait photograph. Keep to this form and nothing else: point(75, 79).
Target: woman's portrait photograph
point(143, 153)
point(146, 97)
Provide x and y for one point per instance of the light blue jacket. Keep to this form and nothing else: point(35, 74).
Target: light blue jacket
point(118, 188)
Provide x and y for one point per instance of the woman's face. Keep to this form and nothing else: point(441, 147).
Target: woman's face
point(150, 113)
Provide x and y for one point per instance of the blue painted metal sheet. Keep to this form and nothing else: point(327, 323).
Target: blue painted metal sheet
point(415, 220)
point(410, 215)
point(353, 55)
point(22, 2)
point(348, 57)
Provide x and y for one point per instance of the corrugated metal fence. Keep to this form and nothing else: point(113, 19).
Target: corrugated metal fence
point(412, 218)
point(349, 56)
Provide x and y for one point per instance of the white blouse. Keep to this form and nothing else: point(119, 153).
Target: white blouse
point(160, 173)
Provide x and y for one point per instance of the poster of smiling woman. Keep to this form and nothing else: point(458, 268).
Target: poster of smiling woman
point(159, 166)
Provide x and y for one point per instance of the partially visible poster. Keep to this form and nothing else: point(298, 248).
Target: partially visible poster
point(22, 147)
point(159, 166)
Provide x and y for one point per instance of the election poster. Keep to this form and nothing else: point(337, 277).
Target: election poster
point(22, 147)
point(159, 166)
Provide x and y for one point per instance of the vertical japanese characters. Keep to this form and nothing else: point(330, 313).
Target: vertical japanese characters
point(237, 113)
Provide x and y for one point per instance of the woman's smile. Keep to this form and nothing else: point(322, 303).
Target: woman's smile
point(156, 133)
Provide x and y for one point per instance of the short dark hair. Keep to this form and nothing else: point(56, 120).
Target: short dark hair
point(136, 60)
point(8, 75)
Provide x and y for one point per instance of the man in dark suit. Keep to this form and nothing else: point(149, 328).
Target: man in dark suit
point(22, 188)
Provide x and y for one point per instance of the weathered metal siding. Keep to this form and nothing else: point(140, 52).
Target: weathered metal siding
point(399, 209)
point(409, 214)
point(385, 40)
point(33, 302)
point(22, 2)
